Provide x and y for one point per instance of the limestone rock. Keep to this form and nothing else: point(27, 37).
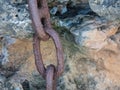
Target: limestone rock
point(5, 42)
point(61, 6)
point(109, 9)
point(14, 86)
point(14, 18)
point(94, 33)
point(90, 31)
point(86, 70)
point(93, 67)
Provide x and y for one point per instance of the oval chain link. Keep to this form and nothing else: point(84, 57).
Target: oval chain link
point(43, 30)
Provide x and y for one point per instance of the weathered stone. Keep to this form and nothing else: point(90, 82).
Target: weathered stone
point(88, 30)
point(2, 80)
point(94, 33)
point(14, 86)
point(87, 70)
point(94, 67)
point(109, 9)
point(14, 18)
point(61, 6)
point(5, 42)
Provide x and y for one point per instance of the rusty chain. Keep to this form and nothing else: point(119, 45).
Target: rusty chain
point(43, 31)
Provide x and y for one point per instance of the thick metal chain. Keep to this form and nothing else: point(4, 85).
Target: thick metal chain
point(43, 31)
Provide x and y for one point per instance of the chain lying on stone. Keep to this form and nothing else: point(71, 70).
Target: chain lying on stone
point(43, 31)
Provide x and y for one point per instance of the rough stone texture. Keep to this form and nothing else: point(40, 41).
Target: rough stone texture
point(89, 30)
point(14, 18)
point(109, 9)
point(5, 42)
point(93, 67)
point(84, 69)
point(62, 6)
point(94, 33)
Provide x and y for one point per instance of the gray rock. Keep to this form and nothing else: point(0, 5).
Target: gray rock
point(83, 71)
point(61, 6)
point(94, 33)
point(86, 28)
point(109, 9)
point(2, 80)
point(14, 86)
point(6, 41)
point(14, 18)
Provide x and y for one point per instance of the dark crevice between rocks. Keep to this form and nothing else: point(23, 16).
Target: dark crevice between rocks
point(118, 30)
point(63, 32)
point(73, 11)
point(79, 9)
point(26, 85)
point(18, 2)
point(8, 72)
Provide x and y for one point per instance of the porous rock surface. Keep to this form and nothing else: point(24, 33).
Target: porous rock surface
point(91, 47)
point(109, 9)
point(14, 16)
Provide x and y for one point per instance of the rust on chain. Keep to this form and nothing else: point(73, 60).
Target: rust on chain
point(43, 30)
point(50, 78)
point(59, 51)
point(40, 17)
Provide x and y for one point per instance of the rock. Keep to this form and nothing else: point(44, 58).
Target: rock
point(62, 6)
point(84, 69)
point(94, 33)
point(88, 30)
point(109, 9)
point(14, 86)
point(91, 64)
point(14, 18)
point(2, 80)
point(62, 9)
point(5, 41)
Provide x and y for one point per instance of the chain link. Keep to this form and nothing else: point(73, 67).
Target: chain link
point(50, 78)
point(40, 17)
point(43, 31)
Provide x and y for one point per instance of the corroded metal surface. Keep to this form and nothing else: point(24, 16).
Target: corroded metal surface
point(40, 17)
point(50, 78)
point(43, 30)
